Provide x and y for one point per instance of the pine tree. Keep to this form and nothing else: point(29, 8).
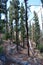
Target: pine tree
point(27, 26)
point(33, 32)
point(3, 9)
point(42, 2)
point(30, 30)
point(37, 28)
point(22, 23)
point(15, 16)
point(11, 21)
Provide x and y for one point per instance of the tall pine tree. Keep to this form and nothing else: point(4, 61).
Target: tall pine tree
point(11, 20)
point(15, 16)
point(22, 23)
point(37, 28)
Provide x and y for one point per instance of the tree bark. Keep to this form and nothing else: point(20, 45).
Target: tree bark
point(27, 29)
point(17, 34)
point(23, 43)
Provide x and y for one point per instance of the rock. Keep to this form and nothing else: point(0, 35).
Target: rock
point(29, 64)
point(1, 63)
point(20, 48)
point(19, 61)
point(12, 64)
point(24, 63)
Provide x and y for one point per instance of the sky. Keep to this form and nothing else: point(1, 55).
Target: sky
point(30, 2)
point(32, 8)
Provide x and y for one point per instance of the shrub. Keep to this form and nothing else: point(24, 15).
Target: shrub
point(40, 47)
point(1, 41)
point(1, 49)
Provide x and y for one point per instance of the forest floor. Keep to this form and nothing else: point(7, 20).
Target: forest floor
point(21, 57)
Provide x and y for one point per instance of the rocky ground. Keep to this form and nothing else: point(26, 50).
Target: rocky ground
point(21, 57)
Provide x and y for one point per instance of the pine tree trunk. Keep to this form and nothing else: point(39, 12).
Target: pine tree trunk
point(11, 31)
point(0, 16)
point(17, 34)
point(27, 29)
point(6, 23)
point(23, 43)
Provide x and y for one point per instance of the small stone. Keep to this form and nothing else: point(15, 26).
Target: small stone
point(1, 63)
point(24, 63)
point(12, 64)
